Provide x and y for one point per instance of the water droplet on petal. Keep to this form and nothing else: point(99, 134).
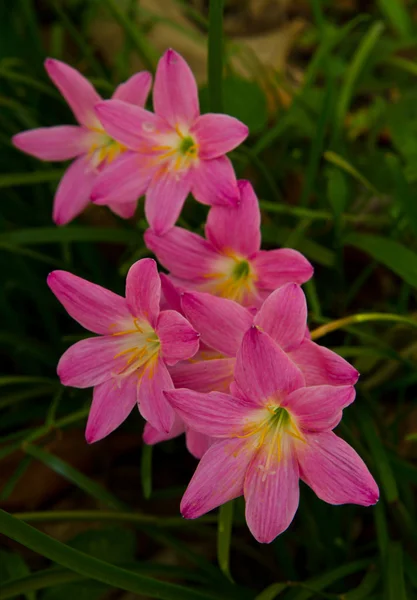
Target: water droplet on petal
point(148, 127)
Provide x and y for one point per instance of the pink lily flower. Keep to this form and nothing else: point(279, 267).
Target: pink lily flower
point(88, 143)
point(229, 263)
point(173, 152)
point(222, 324)
point(271, 433)
point(127, 363)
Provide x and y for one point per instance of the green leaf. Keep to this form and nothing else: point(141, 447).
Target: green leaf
point(146, 470)
point(398, 15)
point(12, 481)
point(94, 568)
point(404, 195)
point(215, 56)
point(366, 586)
point(23, 379)
point(337, 192)
point(272, 591)
point(17, 179)
point(395, 583)
point(243, 100)
point(12, 566)
point(346, 166)
point(74, 476)
point(390, 253)
point(55, 235)
point(224, 536)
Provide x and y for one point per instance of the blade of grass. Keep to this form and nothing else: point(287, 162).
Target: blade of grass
point(74, 476)
point(146, 470)
point(343, 164)
point(272, 591)
point(395, 583)
point(92, 567)
point(17, 179)
point(12, 481)
point(215, 56)
point(397, 14)
point(224, 536)
point(360, 318)
point(53, 235)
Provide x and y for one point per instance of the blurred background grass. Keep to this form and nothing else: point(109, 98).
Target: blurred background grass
point(328, 89)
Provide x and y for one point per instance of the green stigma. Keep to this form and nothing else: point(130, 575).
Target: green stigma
point(280, 417)
point(187, 145)
point(241, 270)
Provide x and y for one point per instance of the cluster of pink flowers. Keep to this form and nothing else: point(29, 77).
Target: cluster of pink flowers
point(218, 349)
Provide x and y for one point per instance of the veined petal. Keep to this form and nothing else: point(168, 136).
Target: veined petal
point(263, 371)
point(94, 307)
point(113, 401)
point(175, 95)
point(283, 316)
point(221, 322)
point(131, 125)
point(197, 443)
point(74, 190)
point(319, 408)
point(236, 228)
point(135, 90)
point(123, 181)
point(165, 198)
point(152, 436)
point(277, 267)
point(126, 210)
point(321, 366)
point(179, 341)
point(334, 471)
point(218, 134)
point(215, 414)
point(271, 496)
point(214, 182)
point(143, 290)
point(77, 91)
point(91, 362)
point(205, 375)
point(54, 143)
point(171, 295)
point(153, 405)
point(185, 254)
point(218, 477)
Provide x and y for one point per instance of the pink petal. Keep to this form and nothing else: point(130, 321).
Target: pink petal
point(218, 477)
point(218, 134)
point(131, 125)
point(283, 316)
point(277, 267)
point(197, 443)
point(271, 496)
point(77, 91)
point(73, 193)
point(204, 376)
point(153, 405)
point(126, 210)
point(113, 401)
point(171, 295)
point(94, 307)
point(215, 414)
point(236, 228)
point(319, 408)
point(91, 362)
point(214, 182)
point(175, 95)
point(321, 366)
point(179, 341)
point(165, 198)
point(54, 143)
point(143, 290)
point(263, 371)
point(152, 436)
point(183, 253)
point(124, 180)
point(335, 472)
point(221, 322)
point(135, 90)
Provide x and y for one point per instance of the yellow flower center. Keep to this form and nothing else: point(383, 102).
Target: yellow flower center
point(235, 279)
point(104, 150)
point(140, 345)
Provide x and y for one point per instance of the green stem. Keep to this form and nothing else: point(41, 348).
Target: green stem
point(92, 567)
point(101, 515)
point(215, 55)
point(224, 536)
point(360, 318)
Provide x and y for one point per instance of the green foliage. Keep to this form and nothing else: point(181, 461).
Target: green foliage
point(335, 168)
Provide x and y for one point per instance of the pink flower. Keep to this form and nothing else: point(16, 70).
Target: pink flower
point(271, 433)
point(89, 143)
point(229, 263)
point(174, 151)
point(222, 324)
point(127, 362)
